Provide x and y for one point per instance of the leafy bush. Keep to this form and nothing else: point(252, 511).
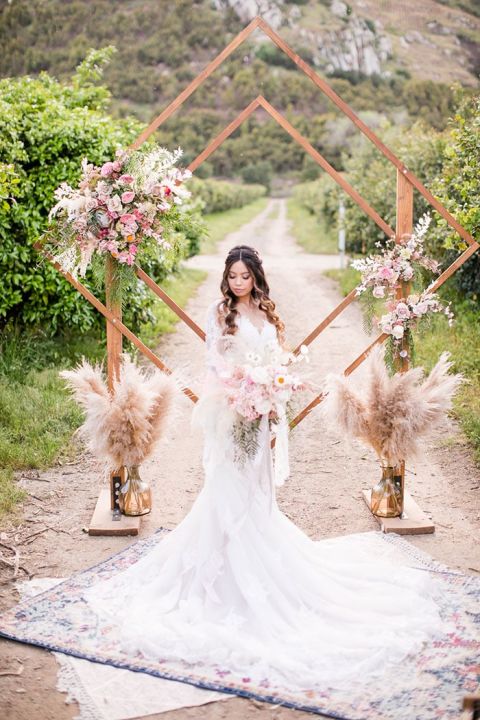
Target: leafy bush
point(46, 128)
point(458, 188)
point(218, 195)
point(259, 173)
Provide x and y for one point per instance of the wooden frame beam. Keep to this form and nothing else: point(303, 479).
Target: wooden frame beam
point(346, 109)
point(201, 77)
point(113, 320)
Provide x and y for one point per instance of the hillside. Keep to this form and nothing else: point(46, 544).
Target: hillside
point(389, 60)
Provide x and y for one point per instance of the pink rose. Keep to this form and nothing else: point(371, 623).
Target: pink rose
point(127, 197)
point(127, 218)
point(116, 166)
point(126, 179)
point(402, 311)
point(386, 273)
point(106, 169)
point(379, 291)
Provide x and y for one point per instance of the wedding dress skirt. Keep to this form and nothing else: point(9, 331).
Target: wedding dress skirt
point(239, 586)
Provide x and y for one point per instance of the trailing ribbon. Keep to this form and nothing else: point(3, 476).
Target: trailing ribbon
point(281, 462)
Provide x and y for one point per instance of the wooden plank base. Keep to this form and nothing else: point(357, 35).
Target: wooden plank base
point(413, 522)
point(103, 524)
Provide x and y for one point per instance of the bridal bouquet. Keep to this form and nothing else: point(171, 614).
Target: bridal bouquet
point(124, 207)
point(258, 384)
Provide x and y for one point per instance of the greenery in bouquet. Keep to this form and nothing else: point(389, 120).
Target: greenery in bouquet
point(128, 208)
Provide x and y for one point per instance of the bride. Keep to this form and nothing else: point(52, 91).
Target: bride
point(236, 584)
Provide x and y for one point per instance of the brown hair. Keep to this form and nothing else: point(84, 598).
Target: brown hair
point(260, 291)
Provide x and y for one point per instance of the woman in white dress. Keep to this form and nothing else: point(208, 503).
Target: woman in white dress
point(236, 583)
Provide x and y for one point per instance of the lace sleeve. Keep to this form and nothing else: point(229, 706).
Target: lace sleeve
point(213, 339)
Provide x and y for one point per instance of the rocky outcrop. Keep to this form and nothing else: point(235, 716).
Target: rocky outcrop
point(359, 46)
point(270, 10)
point(356, 45)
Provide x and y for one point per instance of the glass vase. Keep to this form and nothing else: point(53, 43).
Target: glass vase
point(387, 495)
point(135, 497)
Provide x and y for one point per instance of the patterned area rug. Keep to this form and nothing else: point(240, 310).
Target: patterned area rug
point(428, 686)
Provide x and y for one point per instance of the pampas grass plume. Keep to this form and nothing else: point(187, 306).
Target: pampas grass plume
point(394, 413)
point(122, 427)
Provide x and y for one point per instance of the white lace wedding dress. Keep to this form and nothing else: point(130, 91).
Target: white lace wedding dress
point(237, 584)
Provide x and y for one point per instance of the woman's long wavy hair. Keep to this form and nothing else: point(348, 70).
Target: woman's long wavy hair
point(260, 291)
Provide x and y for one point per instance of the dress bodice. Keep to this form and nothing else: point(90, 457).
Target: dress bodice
point(253, 336)
point(249, 337)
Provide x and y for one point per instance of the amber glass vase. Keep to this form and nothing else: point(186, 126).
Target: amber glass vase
point(135, 497)
point(387, 495)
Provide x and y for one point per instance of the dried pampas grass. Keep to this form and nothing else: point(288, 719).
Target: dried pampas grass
point(393, 413)
point(123, 427)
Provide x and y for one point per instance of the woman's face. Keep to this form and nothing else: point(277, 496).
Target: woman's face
point(240, 280)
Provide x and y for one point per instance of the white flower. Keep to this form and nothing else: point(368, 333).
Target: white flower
point(114, 204)
point(304, 349)
point(281, 379)
point(253, 358)
point(398, 331)
point(259, 375)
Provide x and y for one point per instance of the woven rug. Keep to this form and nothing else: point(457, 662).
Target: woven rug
point(428, 686)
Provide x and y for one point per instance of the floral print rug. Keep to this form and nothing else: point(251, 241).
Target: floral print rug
point(428, 686)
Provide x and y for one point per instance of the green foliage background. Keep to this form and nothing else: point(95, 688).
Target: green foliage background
point(447, 163)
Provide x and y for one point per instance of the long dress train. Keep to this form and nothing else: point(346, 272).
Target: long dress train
point(237, 584)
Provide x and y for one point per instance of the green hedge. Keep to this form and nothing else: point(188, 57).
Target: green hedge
point(218, 195)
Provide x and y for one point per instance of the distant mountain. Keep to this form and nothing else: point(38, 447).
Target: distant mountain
point(435, 40)
point(389, 59)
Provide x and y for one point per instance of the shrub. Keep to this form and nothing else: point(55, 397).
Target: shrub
point(46, 128)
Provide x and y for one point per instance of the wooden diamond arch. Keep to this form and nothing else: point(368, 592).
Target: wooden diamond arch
point(406, 183)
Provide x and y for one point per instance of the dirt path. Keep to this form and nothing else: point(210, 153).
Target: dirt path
point(323, 494)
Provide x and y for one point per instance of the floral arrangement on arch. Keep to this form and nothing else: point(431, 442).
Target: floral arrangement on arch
point(125, 208)
point(383, 274)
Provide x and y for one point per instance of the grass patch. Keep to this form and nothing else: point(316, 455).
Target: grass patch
point(38, 418)
point(462, 340)
point(222, 223)
point(10, 493)
point(180, 287)
point(310, 233)
point(348, 278)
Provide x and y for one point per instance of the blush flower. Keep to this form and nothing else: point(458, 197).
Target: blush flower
point(127, 197)
point(403, 312)
point(106, 169)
